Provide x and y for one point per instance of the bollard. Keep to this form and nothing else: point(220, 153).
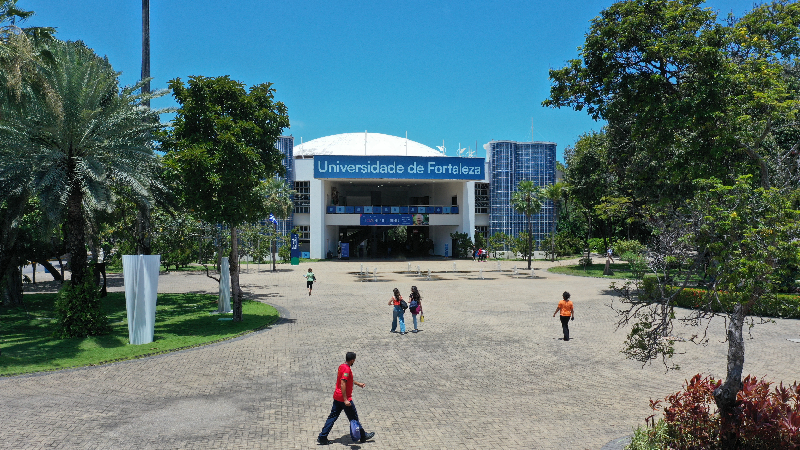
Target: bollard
point(533, 275)
point(481, 274)
point(409, 268)
point(454, 267)
point(429, 274)
point(361, 272)
point(498, 266)
point(375, 274)
point(418, 273)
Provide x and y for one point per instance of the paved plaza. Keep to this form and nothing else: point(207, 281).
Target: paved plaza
point(486, 371)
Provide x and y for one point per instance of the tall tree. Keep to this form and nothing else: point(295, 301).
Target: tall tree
point(74, 156)
point(221, 147)
point(527, 200)
point(685, 97)
point(277, 201)
point(21, 54)
point(555, 193)
point(745, 239)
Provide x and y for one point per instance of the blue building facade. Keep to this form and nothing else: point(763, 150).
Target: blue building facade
point(285, 145)
point(512, 162)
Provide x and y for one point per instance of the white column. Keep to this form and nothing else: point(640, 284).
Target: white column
point(316, 229)
point(467, 209)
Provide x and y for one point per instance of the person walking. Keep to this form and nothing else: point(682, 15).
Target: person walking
point(398, 311)
point(567, 313)
point(310, 279)
point(415, 305)
point(343, 400)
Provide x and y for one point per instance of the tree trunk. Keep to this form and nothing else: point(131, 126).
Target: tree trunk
point(61, 264)
point(12, 287)
point(273, 249)
point(146, 51)
point(588, 234)
point(725, 394)
point(143, 242)
point(553, 238)
point(530, 241)
point(234, 269)
point(76, 234)
point(51, 269)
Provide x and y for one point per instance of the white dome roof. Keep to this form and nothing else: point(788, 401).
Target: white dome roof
point(377, 144)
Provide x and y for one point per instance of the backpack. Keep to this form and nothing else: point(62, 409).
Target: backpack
point(403, 304)
point(355, 430)
point(414, 305)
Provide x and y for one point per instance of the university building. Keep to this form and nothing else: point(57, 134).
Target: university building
point(355, 189)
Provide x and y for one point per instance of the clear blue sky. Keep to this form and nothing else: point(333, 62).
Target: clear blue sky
point(460, 71)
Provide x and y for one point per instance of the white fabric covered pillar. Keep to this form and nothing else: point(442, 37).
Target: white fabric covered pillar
point(140, 275)
point(224, 287)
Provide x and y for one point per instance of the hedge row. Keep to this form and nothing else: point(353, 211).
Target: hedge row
point(784, 306)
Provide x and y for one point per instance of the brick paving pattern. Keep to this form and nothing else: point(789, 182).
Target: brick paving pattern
point(487, 371)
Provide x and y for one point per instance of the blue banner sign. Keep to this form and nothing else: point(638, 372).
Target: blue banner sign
point(295, 249)
point(399, 167)
point(390, 220)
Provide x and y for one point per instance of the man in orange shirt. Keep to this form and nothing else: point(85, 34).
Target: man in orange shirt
point(567, 313)
point(343, 400)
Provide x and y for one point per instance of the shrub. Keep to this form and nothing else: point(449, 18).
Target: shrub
point(638, 264)
point(783, 306)
point(285, 253)
point(655, 437)
point(78, 312)
point(768, 419)
point(597, 245)
point(567, 243)
point(463, 245)
point(628, 246)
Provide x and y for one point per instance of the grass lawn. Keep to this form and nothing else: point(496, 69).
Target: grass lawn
point(621, 270)
point(182, 321)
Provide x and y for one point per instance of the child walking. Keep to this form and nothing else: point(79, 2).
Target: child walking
point(310, 279)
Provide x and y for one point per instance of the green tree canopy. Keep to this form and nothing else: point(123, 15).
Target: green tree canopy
point(77, 153)
point(221, 147)
point(685, 96)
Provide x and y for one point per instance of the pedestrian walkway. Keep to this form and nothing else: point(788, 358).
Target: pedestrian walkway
point(486, 371)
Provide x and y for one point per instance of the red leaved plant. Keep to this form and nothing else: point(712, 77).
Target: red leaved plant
point(769, 418)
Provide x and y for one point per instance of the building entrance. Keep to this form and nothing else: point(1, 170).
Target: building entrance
point(386, 242)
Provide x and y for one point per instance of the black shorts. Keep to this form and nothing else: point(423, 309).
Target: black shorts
point(309, 284)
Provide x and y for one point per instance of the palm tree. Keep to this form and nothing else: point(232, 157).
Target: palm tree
point(277, 201)
point(75, 156)
point(554, 192)
point(527, 200)
point(21, 51)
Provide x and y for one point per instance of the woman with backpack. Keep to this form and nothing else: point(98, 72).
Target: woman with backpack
point(399, 307)
point(415, 306)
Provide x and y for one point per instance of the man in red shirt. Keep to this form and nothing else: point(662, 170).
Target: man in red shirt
point(343, 400)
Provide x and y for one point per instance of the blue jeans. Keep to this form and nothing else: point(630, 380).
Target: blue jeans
point(397, 314)
point(350, 412)
point(414, 316)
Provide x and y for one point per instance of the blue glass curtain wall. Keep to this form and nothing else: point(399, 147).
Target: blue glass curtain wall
point(512, 162)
